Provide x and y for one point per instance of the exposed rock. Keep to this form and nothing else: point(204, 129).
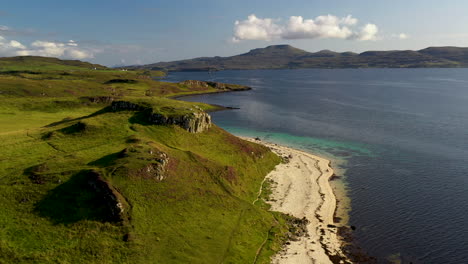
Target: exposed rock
point(110, 197)
point(297, 228)
point(157, 169)
point(151, 162)
point(216, 85)
point(125, 105)
point(195, 83)
point(195, 122)
point(99, 99)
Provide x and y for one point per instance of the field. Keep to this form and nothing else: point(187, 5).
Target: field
point(67, 160)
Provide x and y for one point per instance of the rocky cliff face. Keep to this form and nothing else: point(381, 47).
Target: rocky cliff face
point(110, 198)
point(126, 106)
point(194, 84)
point(195, 122)
point(99, 99)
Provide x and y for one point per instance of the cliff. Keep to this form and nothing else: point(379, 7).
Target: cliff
point(221, 87)
point(192, 120)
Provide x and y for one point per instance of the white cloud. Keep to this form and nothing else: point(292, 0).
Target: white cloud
point(256, 29)
point(67, 50)
point(322, 27)
point(329, 26)
point(368, 32)
point(403, 36)
point(17, 45)
point(349, 20)
point(72, 43)
point(78, 54)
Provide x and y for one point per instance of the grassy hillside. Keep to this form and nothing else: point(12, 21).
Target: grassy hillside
point(82, 183)
point(286, 57)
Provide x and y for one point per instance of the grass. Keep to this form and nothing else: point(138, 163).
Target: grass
point(200, 212)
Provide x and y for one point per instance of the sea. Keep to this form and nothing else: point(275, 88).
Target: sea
point(402, 135)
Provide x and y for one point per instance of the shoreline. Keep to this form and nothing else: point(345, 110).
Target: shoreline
point(302, 188)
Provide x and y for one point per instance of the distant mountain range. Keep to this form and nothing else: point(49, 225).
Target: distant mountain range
point(288, 57)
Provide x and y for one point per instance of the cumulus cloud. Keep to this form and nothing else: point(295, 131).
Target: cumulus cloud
point(329, 26)
point(16, 44)
point(256, 28)
point(67, 50)
point(368, 32)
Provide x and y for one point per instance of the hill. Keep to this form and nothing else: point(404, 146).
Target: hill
point(44, 63)
point(288, 57)
point(101, 166)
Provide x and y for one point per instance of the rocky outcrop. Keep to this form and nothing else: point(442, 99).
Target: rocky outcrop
point(194, 84)
point(127, 106)
point(109, 198)
point(194, 122)
point(99, 99)
point(154, 169)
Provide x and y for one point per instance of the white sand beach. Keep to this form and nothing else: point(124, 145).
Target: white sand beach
point(301, 188)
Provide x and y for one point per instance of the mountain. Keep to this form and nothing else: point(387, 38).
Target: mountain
point(288, 57)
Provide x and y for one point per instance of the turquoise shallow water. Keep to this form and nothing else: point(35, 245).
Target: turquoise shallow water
point(327, 148)
point(402, 132)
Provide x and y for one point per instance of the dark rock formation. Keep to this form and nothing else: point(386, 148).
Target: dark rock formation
point(99, 99)
point(195, 122)
point(297, 228)
point(109, 197)
point(127, 106)
point(222, 87)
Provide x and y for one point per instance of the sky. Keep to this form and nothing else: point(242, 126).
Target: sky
point(121, 32)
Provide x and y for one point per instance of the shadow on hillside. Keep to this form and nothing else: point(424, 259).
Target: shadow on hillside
point(108, 160)
point(140, 118)
point(73, 201)
point(66, 120)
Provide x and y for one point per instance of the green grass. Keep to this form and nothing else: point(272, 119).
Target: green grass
point(201, 212)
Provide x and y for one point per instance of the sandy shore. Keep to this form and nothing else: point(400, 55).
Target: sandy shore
point(301, 188)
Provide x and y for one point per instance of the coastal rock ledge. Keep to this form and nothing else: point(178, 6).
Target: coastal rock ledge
point(221, 87)
point(192, 120)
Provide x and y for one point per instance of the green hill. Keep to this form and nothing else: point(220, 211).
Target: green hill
point(100, 166)
point(286, 57)
point(44, 63)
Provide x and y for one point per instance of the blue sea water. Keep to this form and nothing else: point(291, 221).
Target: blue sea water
point(403, 133)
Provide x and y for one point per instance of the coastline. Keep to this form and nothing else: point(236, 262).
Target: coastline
point(302, 189)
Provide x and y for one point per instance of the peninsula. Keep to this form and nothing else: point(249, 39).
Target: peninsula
point(100, 165)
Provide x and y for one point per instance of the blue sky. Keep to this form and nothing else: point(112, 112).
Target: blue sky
point(135, 32)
